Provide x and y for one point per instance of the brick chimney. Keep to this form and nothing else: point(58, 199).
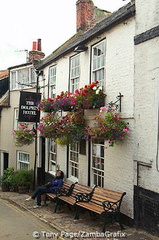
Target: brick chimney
point(36, 52)
point(87, 15)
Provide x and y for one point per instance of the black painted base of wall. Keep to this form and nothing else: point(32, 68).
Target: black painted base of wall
point(146, 210)
point(127, 220)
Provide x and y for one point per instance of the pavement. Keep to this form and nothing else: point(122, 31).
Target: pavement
point(86, 227)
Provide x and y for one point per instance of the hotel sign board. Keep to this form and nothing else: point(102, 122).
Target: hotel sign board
point(28, 109)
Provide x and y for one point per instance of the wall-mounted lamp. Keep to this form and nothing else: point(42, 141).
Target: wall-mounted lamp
point(80, 48)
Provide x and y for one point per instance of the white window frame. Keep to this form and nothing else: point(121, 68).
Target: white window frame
point(74, 73)
point(52, 156)
point(52, 81)
point(23, 162)
point(26, 80)
point(74, 161)
point(98, 62)
point(97, 164)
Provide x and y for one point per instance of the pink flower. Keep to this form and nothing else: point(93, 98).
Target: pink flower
point(126, 130)
point(103, 108)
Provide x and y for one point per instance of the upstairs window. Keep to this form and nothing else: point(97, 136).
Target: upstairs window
point(52, 81)
point(22, 78)
point(98, 63)
point(74, 73)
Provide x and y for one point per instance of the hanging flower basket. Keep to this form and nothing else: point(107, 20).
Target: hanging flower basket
point(66, 101)
point(48, 105)
point(23, 136)
point(108, 126)
point(48, 125)
point(65, 129)
point(90, 96)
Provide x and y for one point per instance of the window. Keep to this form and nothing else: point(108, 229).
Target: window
point(73, 159)
point(98, 64)
point(22, 78)
point(32, 76)
point(75, 73)
point(16, 114)
point(53, 155)
point(13, 78)
point(98, 163)
point(23, 160)
point(52, 81)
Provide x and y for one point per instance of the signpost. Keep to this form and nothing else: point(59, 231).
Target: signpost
point(29, 112)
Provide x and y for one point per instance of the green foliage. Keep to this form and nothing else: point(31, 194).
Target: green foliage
point(23, 177)
point(7, 177)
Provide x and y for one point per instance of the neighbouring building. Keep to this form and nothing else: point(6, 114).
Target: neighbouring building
point(19, 78)
point(120, 50)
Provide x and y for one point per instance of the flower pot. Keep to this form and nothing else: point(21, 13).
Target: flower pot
point(66, 108)
point(5, 188)
point(11, 189)
point(100, 102)
point(22, 189)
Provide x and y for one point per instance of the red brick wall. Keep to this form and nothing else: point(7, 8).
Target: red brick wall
point(85, 14)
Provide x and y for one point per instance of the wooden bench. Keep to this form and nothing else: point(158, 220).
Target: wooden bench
point(102, 201)
point(65, 190)
point(70, 198)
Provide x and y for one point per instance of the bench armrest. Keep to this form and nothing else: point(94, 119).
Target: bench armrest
point(83, 197)
point(65, 192)
point(111, 206)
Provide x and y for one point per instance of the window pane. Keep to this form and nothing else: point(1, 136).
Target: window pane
point(53, 75)
point(53, 155)
point(98, 63)
point(23, 160)
point(73, 159)
point(75, 72)
point(98, 163)
point(13, 79)
point(23, 77)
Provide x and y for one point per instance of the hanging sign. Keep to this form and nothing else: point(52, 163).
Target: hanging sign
point(28, 110)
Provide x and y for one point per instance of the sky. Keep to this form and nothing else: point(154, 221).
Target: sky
point(25, 21)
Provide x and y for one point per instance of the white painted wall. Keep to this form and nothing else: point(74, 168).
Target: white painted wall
point(119, 78)
point(147, 97)
point(146, 15)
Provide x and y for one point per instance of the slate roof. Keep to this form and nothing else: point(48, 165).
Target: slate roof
point(82, 38)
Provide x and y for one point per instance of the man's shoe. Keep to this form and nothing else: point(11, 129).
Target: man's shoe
point(37, 206)
point(28, 199)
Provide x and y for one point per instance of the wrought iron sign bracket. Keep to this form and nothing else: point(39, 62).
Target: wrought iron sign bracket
point(117, 106)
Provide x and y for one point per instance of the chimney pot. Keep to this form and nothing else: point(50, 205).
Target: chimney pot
point(39, 44)
point(34, 46)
